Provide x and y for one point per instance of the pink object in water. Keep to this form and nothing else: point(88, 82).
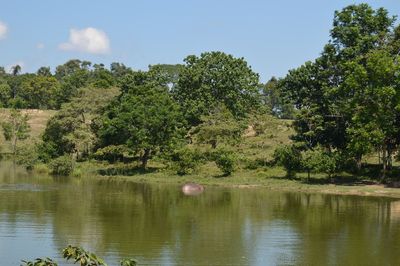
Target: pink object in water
point(192, 189)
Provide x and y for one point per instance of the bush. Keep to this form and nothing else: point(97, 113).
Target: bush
point(63, 165)
point(185, 160)
point(226, 161)
point(319, 161)
point(27, 157)
point(289, 157)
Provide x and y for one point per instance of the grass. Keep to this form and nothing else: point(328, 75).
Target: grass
point(271, 178)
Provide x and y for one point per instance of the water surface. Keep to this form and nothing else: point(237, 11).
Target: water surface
point(158, 225)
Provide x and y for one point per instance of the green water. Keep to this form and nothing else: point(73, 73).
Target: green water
point(158, 225)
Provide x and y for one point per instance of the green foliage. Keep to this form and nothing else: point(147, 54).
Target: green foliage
point(40, 92)
point(319, 161)
point(16, 128)
point(40, 262)
point(27, 156)
point(63, 166)
point(348, 98)
point(275, 102)
point(112, 153)
point(186, 160)
point(144, 118)
point(79, 256)
point(220, 126)
point(289, 157)
point(69, 131)
point(213, 79)
point(225, 160)
point(128, 262)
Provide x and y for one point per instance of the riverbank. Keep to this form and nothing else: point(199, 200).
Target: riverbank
point(270, 178)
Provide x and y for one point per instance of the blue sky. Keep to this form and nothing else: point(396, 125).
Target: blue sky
point(273, 36)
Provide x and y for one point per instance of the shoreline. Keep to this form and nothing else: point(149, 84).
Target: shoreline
point(255, 182)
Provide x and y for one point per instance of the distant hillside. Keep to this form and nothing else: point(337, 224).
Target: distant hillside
point(37, 121)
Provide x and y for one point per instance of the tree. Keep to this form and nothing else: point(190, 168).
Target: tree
point(40, 92)
point(212, 79)
point(219, 126)
point(273, 100)
point(44, 71)
point(15, 70)
point(16, 128)
point(319, 161)
point(289, 157)
point(373, 80)
point(69, 131)
point(5, 92)
point(331, 91)
point(144, 118)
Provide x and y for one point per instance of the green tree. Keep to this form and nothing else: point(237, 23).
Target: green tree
point(40, 92)
point(44, 71)
point(329, 91)
point(144, 118)
point(219, 126)
point(16, 128)
point(289, 157)
point(273, 100)
point(69, 131)
point(373, 81)
point(212, 79)
point(319, 161)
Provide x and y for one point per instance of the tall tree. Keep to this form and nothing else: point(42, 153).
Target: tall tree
point(212, 79)
point(144, 118)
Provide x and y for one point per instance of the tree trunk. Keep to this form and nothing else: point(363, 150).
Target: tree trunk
point(384, 164)
point(358, 162)
point(145, 158)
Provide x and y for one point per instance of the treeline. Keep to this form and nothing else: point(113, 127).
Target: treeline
point(45, 90)
point(345, 104)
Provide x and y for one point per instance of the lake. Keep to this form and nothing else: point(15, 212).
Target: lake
point(158, 225)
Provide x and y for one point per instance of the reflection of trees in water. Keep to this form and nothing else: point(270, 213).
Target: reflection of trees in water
point(342, 230)
point(219, 226)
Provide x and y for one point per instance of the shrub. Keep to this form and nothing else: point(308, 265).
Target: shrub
point(185, 160)
point(319, 161)
point(26, 156)
point(226, 161)
point(289, 157)
point(63, 165)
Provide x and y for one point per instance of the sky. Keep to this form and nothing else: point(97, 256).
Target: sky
point(273, 36)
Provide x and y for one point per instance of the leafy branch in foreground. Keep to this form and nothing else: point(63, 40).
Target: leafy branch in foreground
point(78, 255)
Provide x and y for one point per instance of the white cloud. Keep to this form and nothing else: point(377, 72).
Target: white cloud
point(88, 40)
point(3, 30)
point(40, 45)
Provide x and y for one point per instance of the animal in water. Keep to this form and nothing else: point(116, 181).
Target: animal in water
point(192, 189)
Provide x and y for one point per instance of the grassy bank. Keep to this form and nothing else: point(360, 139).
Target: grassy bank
point(272, 178)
